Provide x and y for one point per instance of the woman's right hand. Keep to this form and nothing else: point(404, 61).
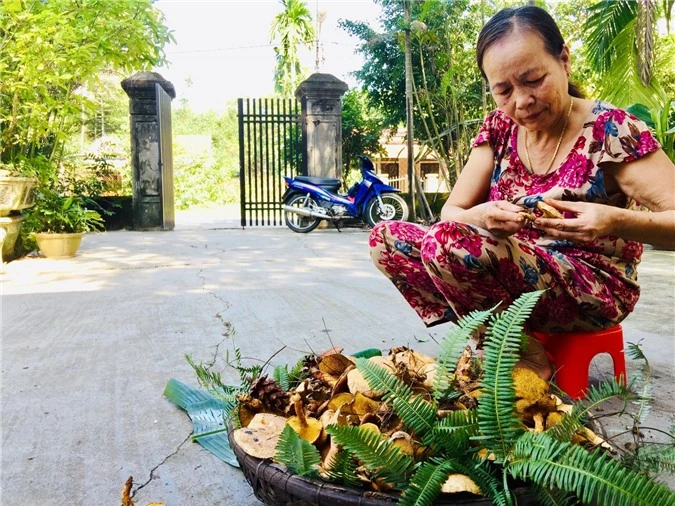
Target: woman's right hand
point(499, 217)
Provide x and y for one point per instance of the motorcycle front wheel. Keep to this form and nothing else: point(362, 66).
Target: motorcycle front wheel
point(296, 222)
point(393, 207)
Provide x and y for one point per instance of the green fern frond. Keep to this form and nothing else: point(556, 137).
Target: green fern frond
point(300, 456)
point(641, 383)
point(592, 476)
point(381, 380)
point(417, 414)
point(281, 376)
point(211, 380)
point(498, 422)
point(490, 480)
point(595, 397)
point(551, 497)
point(452, 433)
point(652, 458)
point(377, 454)
point(343, 469)
point(425, 485)
point(451, 347)
point(297, 374)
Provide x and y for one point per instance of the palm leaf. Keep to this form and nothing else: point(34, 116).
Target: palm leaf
point(654, 458)
point(642, 383)
point(298, 455)
point(425, 485)
point(498, 422)
point(452, 433)
point(606, 20)
point(592, 476)
point(377, 454)
point(342, 469)
point(209, 417)
point(451, 348)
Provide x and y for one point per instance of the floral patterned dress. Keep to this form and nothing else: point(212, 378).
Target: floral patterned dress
point(452, 268)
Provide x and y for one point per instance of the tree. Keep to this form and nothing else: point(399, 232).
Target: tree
point(634, 63)
point(361, 129)
point(291, 29)
point(50, 49)
point(446, 83)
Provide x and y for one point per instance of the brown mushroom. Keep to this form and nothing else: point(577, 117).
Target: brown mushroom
point(460, 483)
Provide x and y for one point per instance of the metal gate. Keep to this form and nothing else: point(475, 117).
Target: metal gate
point(270, 147)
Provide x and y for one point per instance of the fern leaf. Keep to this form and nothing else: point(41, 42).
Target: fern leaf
point(381, 380)
point(300, 456)
point(342, 469)
point(377, 454)
point(297, 373)
point(552, 497)
point(425, 485)
point(655, 458)
point(498, 422)
point(418, 415)
point(596, 396)
point(451, 348)
point(281, 376)
point(415, 413)
point(592, 476)
point(490, 481)
point(452, 433)
point(642, 383)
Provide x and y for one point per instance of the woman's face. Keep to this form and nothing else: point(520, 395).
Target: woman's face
point(527, 83)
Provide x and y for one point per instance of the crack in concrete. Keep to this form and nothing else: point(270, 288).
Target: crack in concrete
point(219, 315)
point(152, 471)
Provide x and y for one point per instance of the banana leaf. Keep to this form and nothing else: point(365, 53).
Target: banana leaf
point(209, 416)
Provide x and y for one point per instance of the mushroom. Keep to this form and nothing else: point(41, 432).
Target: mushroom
point(460, 483)
point(308, 428)
point(261, 436)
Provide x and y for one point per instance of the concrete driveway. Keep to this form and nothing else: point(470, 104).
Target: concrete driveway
point(89, 343)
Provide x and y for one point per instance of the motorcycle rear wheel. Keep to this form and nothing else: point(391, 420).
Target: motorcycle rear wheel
point(393, 208)
point(296, 222)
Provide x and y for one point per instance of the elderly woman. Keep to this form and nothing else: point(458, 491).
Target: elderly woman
point(592, 162)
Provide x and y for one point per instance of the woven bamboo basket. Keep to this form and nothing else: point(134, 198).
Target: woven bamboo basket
point(276, 486)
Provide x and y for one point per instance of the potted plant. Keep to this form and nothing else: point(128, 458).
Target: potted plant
point(58, 222)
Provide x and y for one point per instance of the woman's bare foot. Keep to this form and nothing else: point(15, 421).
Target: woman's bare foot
point(536, 359)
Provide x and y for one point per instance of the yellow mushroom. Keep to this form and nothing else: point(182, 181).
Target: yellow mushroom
point(308, 428)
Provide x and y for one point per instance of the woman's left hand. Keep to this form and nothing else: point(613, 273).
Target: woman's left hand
point(590, 221)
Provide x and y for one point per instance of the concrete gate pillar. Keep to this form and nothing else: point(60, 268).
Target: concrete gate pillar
point(151, 150)
point(320, 96)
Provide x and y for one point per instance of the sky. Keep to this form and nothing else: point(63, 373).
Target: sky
point(223, 47)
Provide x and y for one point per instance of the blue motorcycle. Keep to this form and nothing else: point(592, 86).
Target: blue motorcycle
point(308, 200)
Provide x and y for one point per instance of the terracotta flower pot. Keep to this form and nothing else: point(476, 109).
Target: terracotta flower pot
point(58, 245)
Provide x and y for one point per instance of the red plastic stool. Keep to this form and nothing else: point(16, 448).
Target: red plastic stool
point(572, 352)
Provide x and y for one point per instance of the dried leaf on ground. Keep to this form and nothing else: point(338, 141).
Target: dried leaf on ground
point(125, 496)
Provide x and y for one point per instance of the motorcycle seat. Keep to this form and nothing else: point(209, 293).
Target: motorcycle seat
point(328, 183)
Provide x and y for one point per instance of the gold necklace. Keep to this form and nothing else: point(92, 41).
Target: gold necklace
point(555, 153)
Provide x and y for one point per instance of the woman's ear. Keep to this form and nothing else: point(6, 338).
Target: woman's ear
point(565, 59)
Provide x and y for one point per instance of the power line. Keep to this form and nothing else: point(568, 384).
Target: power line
point(237, 48)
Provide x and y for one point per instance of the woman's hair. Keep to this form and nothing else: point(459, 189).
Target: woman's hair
point(529, 17)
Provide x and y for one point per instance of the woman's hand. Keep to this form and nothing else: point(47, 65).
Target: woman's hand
point(500, 217)
point(590, 221)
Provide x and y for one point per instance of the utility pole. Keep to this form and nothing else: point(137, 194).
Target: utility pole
point(409, 110)
point(320, 18)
